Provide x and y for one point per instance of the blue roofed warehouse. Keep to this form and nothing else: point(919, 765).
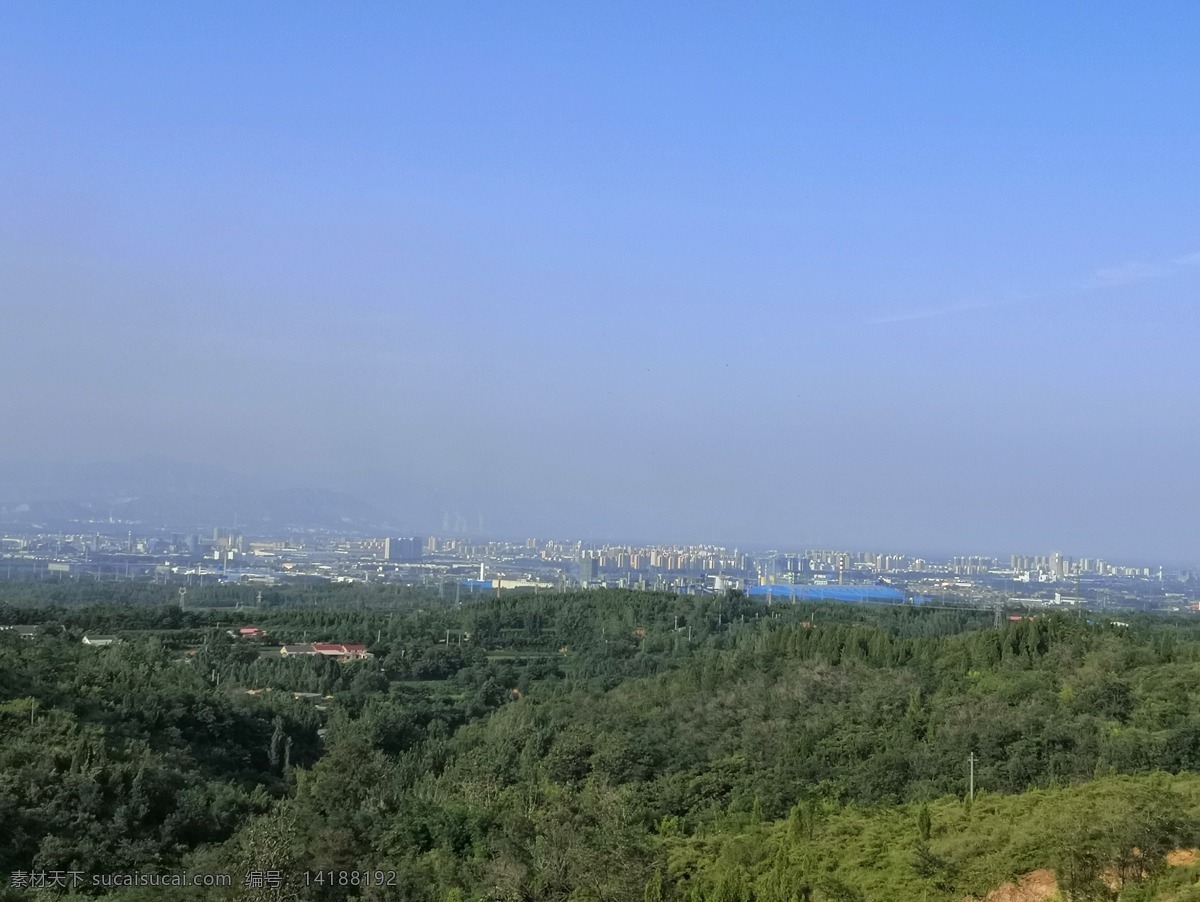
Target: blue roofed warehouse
point(849, 594)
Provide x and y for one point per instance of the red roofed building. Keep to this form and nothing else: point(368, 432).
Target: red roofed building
point(342, 652)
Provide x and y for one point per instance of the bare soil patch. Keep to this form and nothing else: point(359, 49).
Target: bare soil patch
point(1036, 886)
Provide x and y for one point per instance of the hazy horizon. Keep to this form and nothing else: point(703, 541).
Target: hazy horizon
point(847, 276)
point(163, 479)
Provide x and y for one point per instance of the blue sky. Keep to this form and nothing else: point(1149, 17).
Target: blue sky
point(915, 276)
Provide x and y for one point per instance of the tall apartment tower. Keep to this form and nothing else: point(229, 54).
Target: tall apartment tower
point(589, 569)
point(1058, 566)
point(403, 550)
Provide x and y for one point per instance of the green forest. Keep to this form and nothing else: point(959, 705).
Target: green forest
point(602, 745)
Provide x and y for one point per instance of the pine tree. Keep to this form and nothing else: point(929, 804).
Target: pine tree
point(278, 738)
point(924, 823)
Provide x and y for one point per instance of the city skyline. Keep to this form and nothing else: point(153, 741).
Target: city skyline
point(174, 491)
point(400, 545)
point(457, 568)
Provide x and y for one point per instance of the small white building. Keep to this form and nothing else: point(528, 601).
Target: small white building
point(25, 632)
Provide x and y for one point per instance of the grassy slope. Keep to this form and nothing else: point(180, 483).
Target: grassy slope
point(993, 841)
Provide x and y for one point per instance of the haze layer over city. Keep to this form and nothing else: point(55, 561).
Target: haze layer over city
point(783, 277)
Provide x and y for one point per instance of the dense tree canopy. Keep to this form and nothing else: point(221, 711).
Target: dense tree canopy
point(603, 745)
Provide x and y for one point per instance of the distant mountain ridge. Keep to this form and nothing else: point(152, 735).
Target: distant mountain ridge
point(161, 493)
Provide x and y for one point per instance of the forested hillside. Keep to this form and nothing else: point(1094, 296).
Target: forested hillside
point(603, 745)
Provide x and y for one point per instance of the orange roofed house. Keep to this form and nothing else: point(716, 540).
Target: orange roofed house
point(342, 652)
point(336, 651)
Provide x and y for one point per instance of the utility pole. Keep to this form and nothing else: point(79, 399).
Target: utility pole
point(971, 791)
